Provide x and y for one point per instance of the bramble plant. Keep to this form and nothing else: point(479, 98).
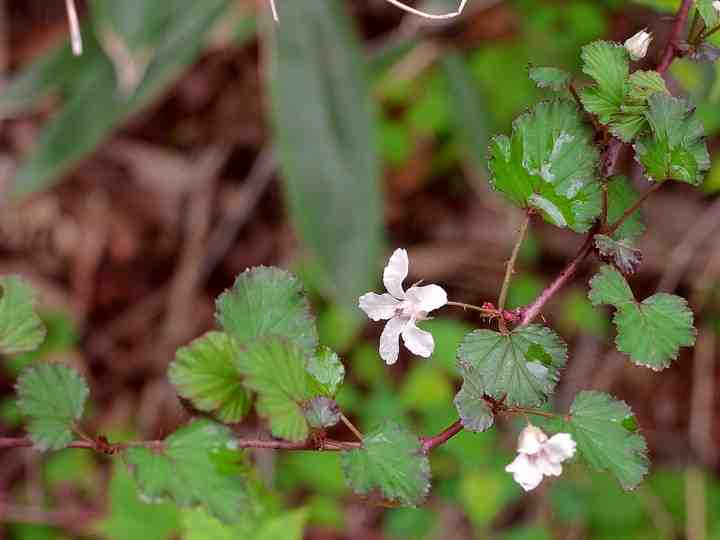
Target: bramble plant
point(557, 165)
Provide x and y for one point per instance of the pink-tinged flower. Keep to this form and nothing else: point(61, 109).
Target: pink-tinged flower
point(539, 456)
point(638, 44)
point(403, 309)
point(716, 5)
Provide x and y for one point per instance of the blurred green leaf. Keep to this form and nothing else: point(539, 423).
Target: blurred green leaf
point(390, 460)
point(267, 301)
point(676, 150)
point(448, 334)
point(651, 331)
point(275, 369)
point(198, 464)
point(321, 472)
point(129, 519)
point(326, 513)
point(595, 422)
point(484, 493)
point(426, 386)
point(93, 107)
point(326, 372)
point(549, 164)
point(521, 367)
point(550, 77)
point(410, 523)
point(204, 372)
point(20, 327)
point(578, 314)
point(319, 95)
point(708, 12)
point(468, 110)
point(52, 397)
point(69, 466)
point(524, 288)
point(198, 525)
point(526, 533)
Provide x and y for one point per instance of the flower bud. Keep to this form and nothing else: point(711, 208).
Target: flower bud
point(716, 5)
point(638, 44)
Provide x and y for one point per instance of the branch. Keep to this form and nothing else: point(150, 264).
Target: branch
point(634, 208)
point(509, 268)
point(672, 48)
point(428, 443)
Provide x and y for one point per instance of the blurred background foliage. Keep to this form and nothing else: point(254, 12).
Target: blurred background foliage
point(140, 177)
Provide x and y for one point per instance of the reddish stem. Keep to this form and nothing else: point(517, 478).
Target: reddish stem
point(673, 44)
point(428, 443)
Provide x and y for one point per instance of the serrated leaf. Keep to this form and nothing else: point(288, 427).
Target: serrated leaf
point(198, 464)
point(21, 329)
point(650, 332)
point(475, 414)
point(597, 424)
point(549, 164)
point(632, 116)
point(550, 77)
point(52, 397)
point(321, 412)
point(622, 196)
point(676, 149)
point(204, 372)
point(707, 11)
point(522, 367)
point(622, 253)
point(333, 193)
point(275, 369)
point(609, 65)
point(267, 301)
point(326, 372)
point(391, 461)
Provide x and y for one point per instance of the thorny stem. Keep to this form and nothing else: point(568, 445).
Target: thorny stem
point(671, 49)
point(428, 443)
point(482, 310)
point(509, 268)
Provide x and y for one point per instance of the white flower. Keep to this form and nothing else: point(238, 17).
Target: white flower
point(638, 44)
point(539, 456)
point(716, 5)
point(403, 309)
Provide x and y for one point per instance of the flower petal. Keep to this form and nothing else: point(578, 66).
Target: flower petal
point(559, 447)
point(390, 339)
point(525, 472)
point(395, 273)
point(531, 439)
point(378, 306)
point(546, 466)
point(418, 341)
point(428, 297)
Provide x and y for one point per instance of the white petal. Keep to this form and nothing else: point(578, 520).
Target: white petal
point(547, 467)
point(418, 341)
point(638, 44)
point(395, 273)
point(428, 297)
point(531, 440)
point(525, 472)
point(390, 339)
point(559, 447)
point(716, 5)
point(378, 306)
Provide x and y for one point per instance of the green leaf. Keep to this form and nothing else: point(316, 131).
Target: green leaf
point(326, 372)
point(333, 191)
point(204, 372)
point(198, 525)
point(267, 301)
point(597, 424)
point(321, 412)
point(522, 367)
point(651, 332)
point(622, 196)
point(707, 11)
point(622, 253)
point(609, 65)
point(550, 77)
point(391, 461)
point(676, 149)
point(549, 164)
point(21, 329)
point(93, 108)
point(198, 464)
point(632, 116)
point(473, 410)
point(52, 397)
point(470, 115)
point(275, 369)
point(129, 518)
